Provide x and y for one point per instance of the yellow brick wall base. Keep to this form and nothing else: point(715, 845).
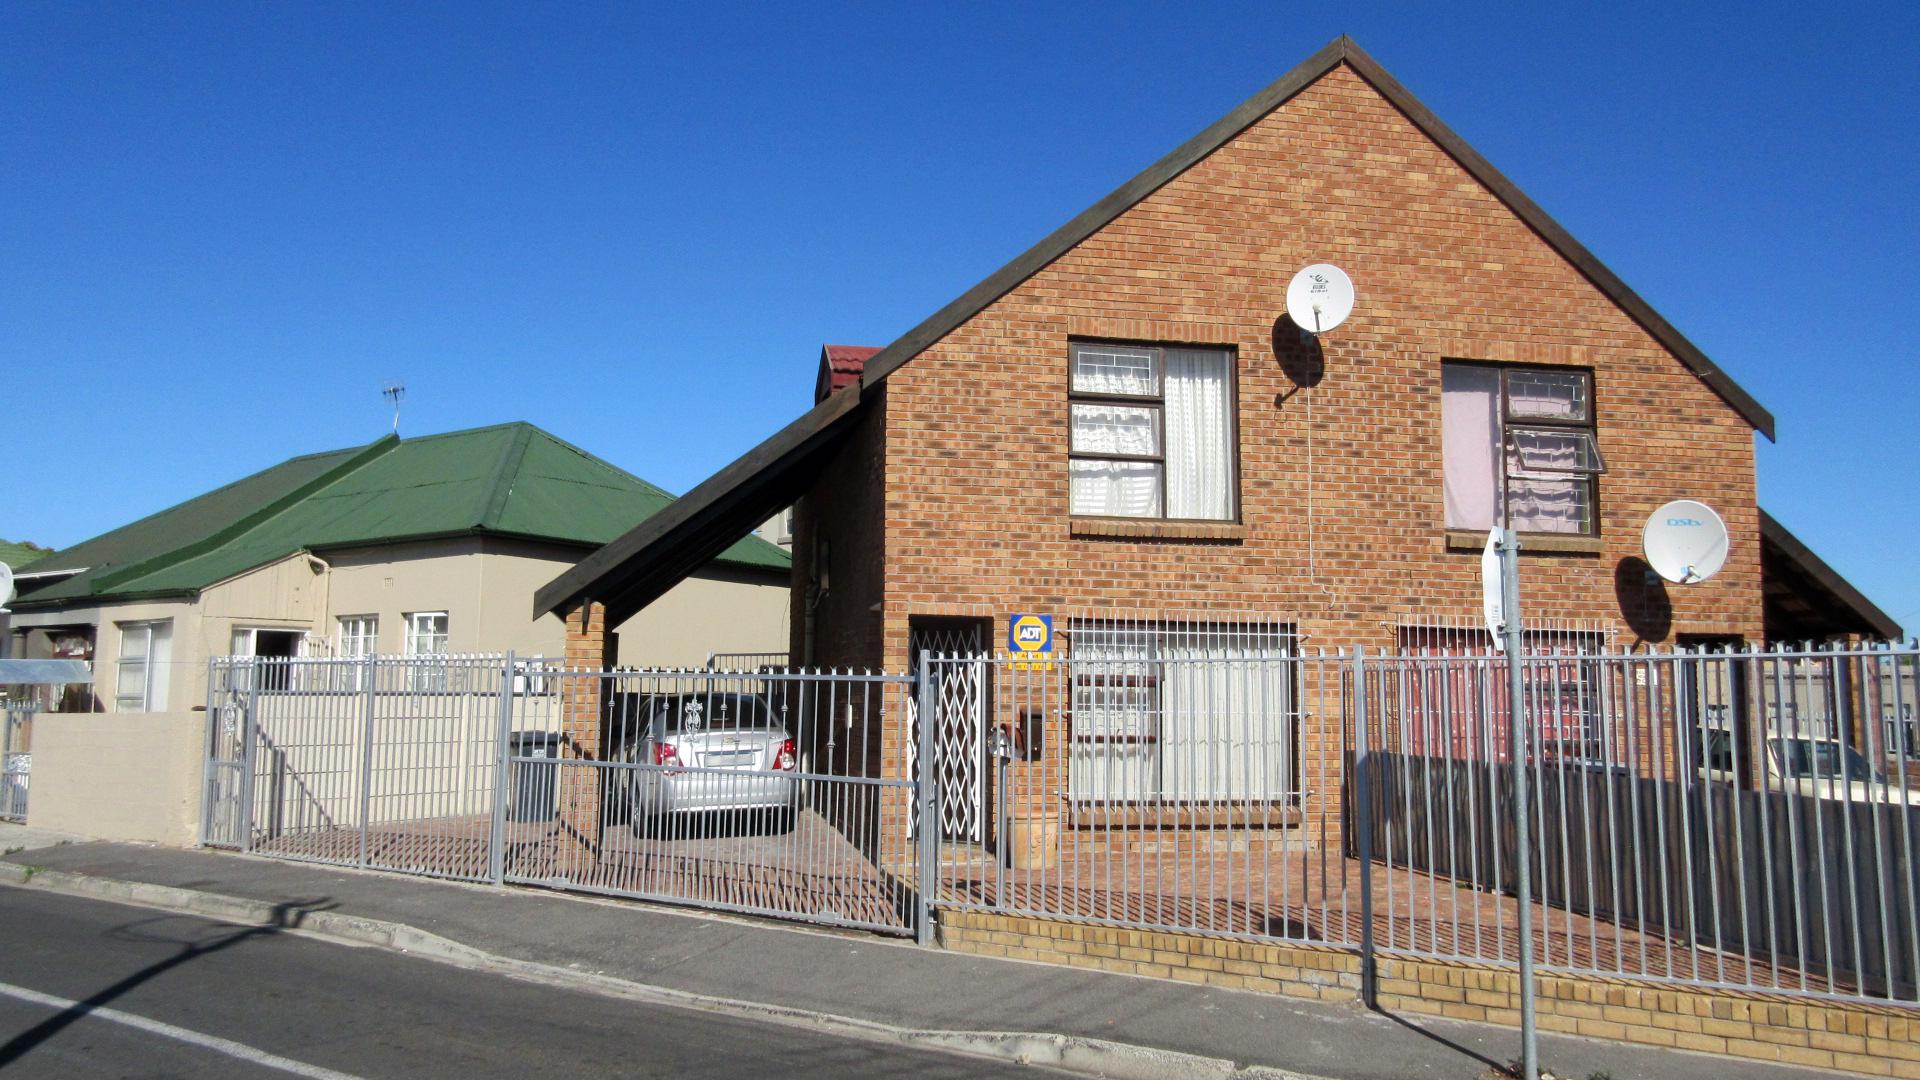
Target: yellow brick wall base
point(1868, 1039)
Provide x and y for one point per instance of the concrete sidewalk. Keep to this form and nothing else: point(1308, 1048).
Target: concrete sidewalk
point(756, 964)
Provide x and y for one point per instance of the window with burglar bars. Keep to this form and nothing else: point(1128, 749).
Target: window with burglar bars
point(1152, 432)
point(1520, 447)
point(1171, 712)
point(1460, 710)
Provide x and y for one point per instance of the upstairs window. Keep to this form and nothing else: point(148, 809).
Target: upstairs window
point(1520, 442)
point(1152, 432)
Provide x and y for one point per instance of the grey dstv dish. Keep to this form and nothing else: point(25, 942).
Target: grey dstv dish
point(1685, 542)
point(6, 584)
point(1320, 298)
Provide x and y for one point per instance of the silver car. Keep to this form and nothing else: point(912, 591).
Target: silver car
point(707, 753)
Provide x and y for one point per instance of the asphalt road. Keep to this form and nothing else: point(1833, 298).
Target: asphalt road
point(165, 995)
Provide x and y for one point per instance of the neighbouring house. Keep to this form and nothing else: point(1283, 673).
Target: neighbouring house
point(13, 555)
point(1122, 429)
point(420, 546)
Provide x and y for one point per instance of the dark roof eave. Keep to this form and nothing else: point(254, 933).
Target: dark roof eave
point(1816, 568)
point(604, 571)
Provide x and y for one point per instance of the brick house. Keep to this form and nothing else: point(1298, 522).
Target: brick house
point(1124, 420)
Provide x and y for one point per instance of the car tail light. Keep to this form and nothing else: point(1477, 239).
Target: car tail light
point(665, 753)
point(783, 757)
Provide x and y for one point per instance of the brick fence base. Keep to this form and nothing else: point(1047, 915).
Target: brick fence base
point(1870, 1039)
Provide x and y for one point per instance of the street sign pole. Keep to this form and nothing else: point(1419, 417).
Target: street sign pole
point(1516, 721)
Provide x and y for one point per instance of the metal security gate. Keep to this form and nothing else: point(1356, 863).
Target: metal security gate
point(16, 758)
point(771, 791)
point(223, 806)
point(959, 722)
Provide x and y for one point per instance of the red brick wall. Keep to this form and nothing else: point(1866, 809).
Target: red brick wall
point(844, 507)
point(976, 481)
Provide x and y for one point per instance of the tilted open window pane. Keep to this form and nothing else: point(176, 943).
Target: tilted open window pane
point(1548, 395)
point(1116, 488)
point(1116, 429)
point(1547, 454)
point(1116, 369)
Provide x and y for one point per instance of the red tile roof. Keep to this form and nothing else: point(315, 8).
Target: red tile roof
point(840, 366)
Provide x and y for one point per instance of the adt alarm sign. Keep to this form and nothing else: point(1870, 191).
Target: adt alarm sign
point(1030, 634)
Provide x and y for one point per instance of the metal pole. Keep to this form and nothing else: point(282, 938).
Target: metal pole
point(926, 792)
point(366, 758)
point(1516, 717)
point(248, 763)
point(1363, 829)
point(497, 830)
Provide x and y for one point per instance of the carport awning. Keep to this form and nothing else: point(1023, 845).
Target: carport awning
point(641, 565)
point(1807, 600)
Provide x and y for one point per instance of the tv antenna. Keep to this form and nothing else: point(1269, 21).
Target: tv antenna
point(1685, 542)
point(1320, 298)
point(393, 392)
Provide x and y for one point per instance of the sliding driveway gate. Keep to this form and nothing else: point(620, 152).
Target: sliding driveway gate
point(770, 792)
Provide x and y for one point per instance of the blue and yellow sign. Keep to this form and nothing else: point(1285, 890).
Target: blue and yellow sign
point(1030, 637)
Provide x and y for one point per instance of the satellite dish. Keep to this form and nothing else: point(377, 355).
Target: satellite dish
point(1685, 542)
point(6, 584)
point(1320, 298)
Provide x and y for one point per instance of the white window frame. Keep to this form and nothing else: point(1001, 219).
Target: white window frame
point(426, 678)
point(415, 634)
point(153, 664)
point(356, 637)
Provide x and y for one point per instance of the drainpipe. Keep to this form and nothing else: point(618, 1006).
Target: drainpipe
point(326, 591)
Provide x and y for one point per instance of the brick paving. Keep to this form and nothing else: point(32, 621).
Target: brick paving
point(1313, 896)
point(1286, 892)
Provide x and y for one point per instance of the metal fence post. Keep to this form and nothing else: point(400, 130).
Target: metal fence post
point(502, 766)
point(249, 730)
point(1363, 828)
point(1516, 721)
point(926, 794)
point(366, 759)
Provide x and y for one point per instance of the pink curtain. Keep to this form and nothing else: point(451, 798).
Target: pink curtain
point(1470, 438)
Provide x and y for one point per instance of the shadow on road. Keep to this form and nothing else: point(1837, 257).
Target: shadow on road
point(287, 915)
point(1464, 1051)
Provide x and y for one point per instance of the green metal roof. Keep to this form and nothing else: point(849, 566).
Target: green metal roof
point(20, 552)
point(510, 480)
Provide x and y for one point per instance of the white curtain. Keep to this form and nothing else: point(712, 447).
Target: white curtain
point(1113, 757)
point(1470, 440)
point(1199, 449)
point(1225, 733)
point(1116, 488)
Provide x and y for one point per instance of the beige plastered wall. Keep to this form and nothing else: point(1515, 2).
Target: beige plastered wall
point(485, 586)
point(119, 776)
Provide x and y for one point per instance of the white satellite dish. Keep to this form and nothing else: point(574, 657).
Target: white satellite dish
point(6, 584)
point(1320, 298)
point(1685, 542)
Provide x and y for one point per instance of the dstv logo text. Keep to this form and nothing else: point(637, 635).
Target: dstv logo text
point(1685, 522)
point(1030, 633)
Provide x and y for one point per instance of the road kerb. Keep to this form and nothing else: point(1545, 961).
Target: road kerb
point(1099, 1057)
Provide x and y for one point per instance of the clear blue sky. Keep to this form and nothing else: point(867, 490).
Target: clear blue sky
point(222, 227)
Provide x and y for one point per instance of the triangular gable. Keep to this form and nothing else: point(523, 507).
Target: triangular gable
point(1340, 50)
